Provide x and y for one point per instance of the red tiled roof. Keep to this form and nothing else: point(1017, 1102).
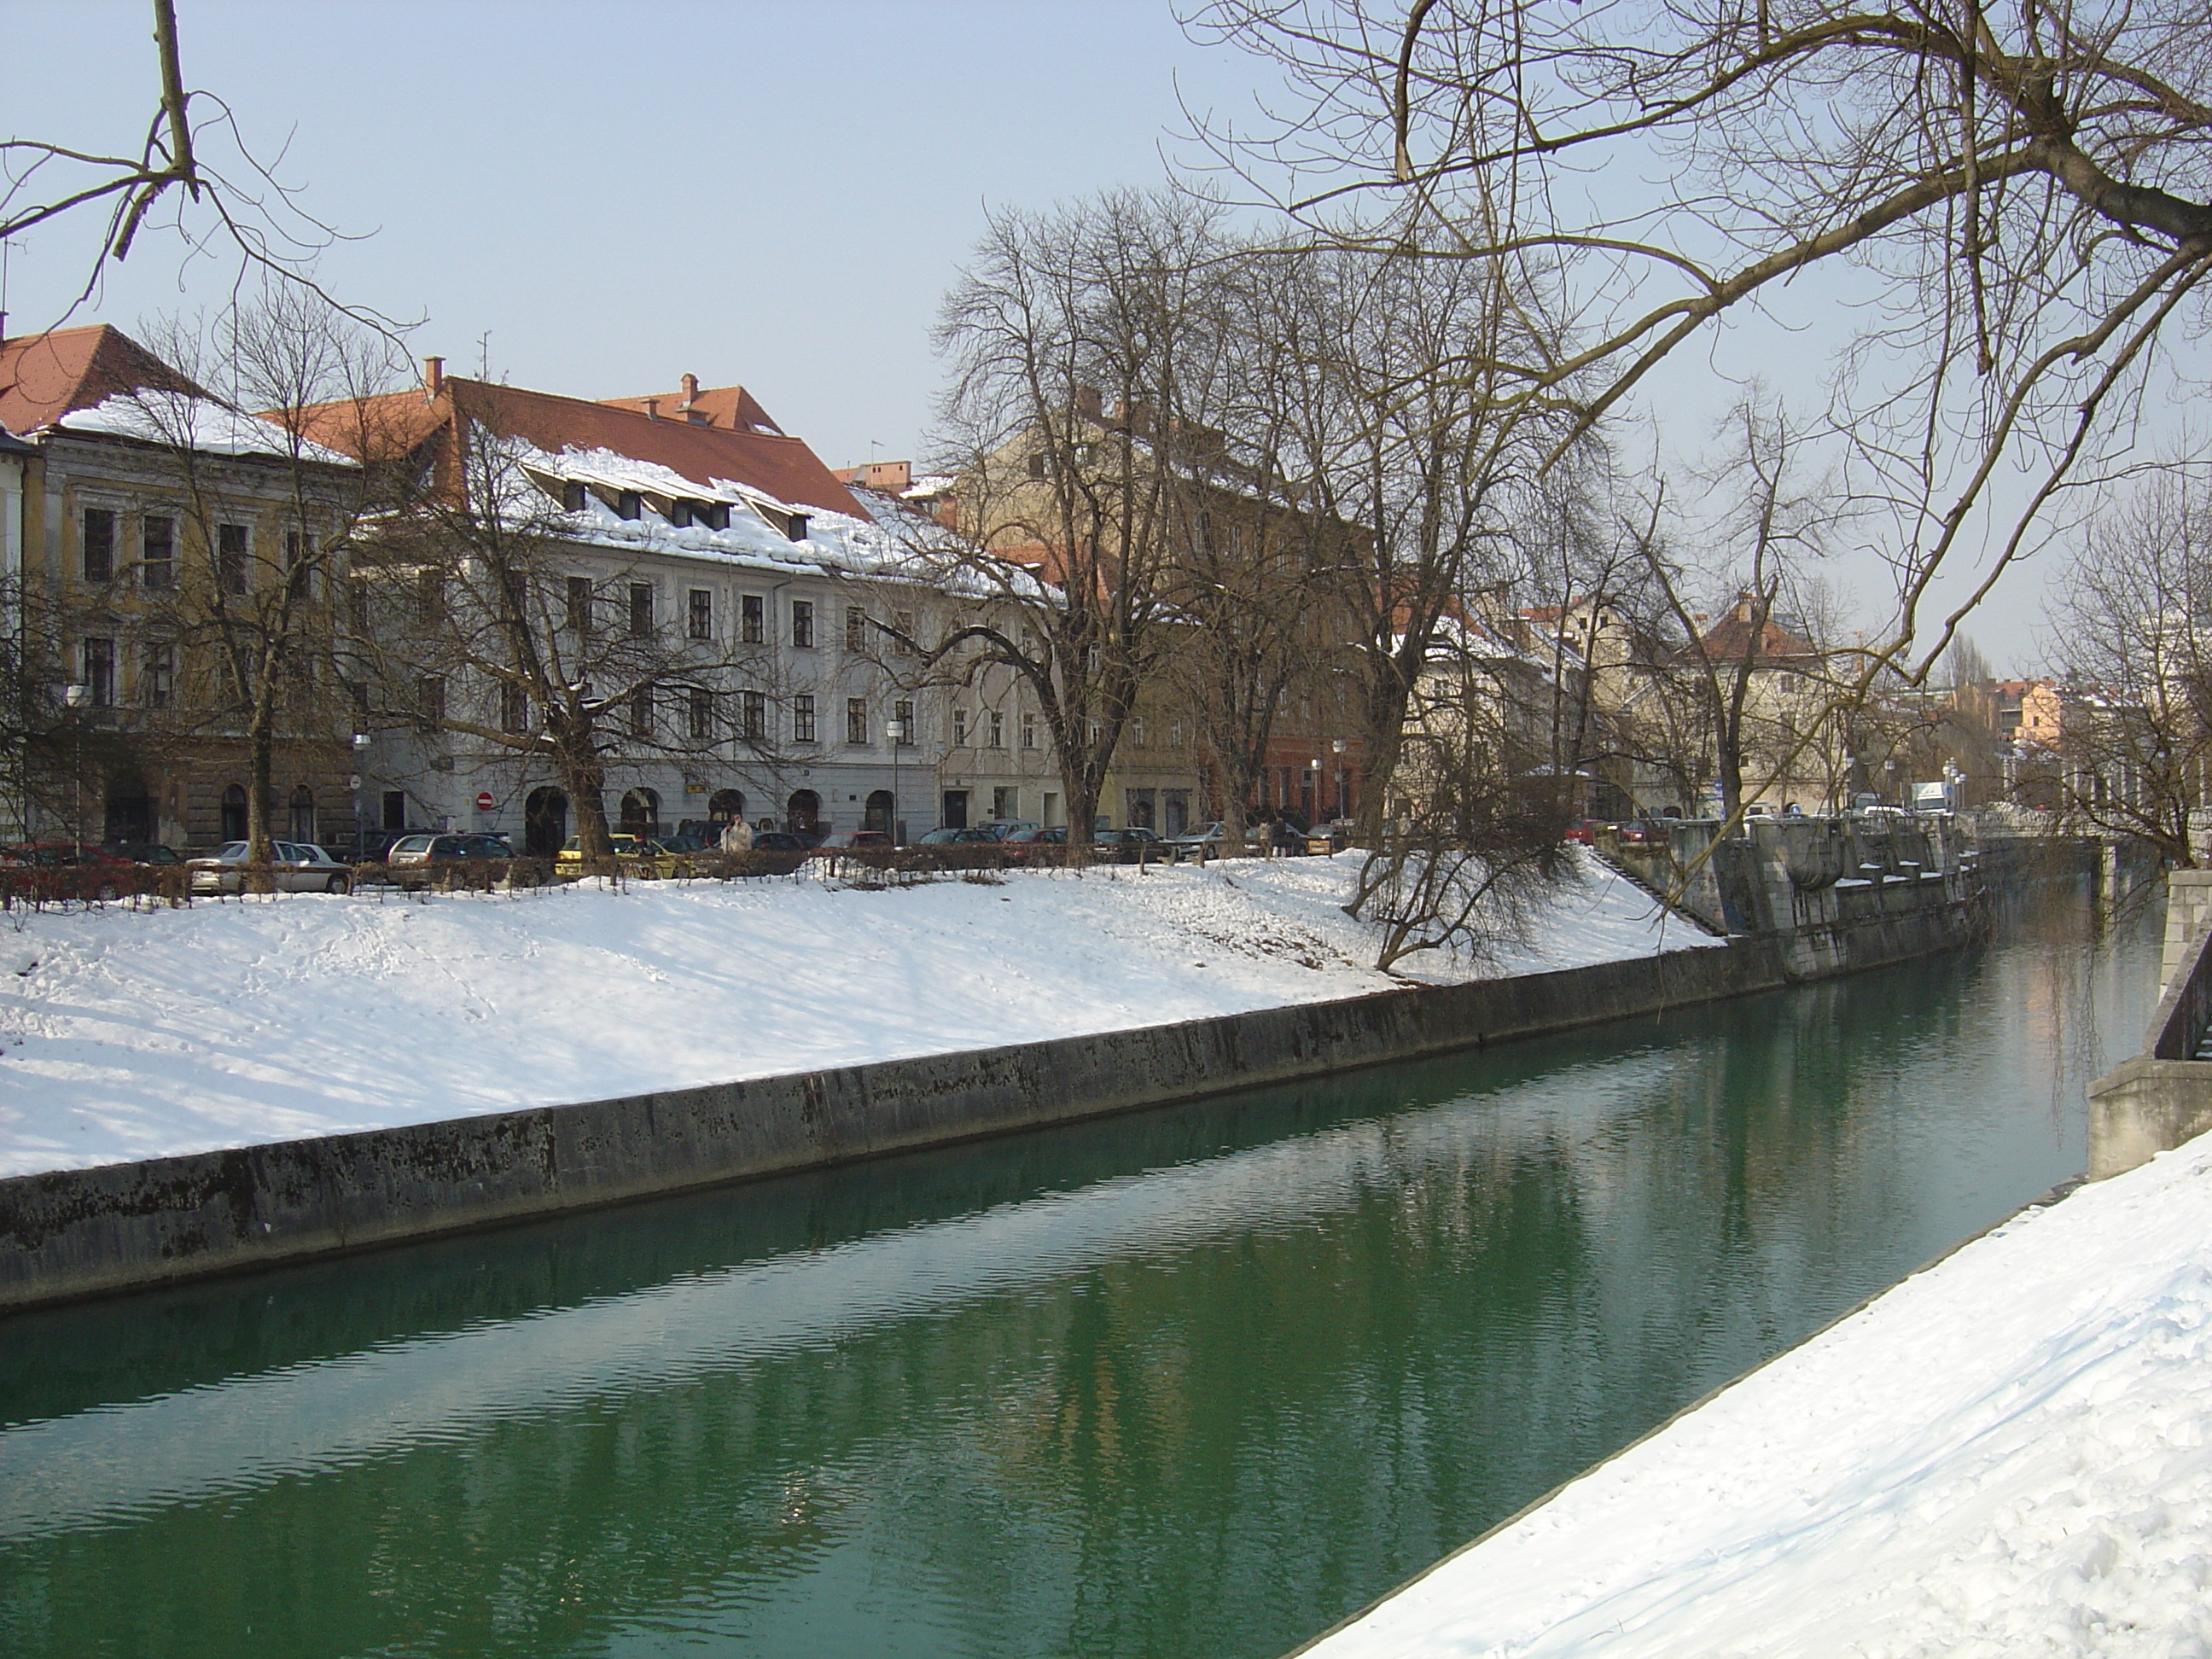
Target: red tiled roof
point(777, 466)
point(44, 377)
point(732, 408)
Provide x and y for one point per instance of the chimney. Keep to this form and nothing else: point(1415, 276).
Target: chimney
point(433, 378)
point(652, 409)
point(691, 391)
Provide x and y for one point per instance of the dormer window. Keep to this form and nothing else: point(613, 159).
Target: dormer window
point(679, 513)
point(795, 527)
point(628, 504)
point(575, 498)
point(715, 515)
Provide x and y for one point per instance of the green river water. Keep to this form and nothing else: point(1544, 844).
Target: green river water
point(1196, 1382)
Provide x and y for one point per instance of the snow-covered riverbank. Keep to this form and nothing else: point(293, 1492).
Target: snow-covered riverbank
point(130, 1034)
point(2008, 1455)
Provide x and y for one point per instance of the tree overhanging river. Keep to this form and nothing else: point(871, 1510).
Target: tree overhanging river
point(1201, 1380)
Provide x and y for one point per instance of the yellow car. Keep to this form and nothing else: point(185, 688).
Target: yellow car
point(636, 856)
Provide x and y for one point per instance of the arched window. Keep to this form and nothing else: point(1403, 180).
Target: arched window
point(303, 813)
point(726, 806)
point(803, 811)
point(879, 811)
point(545, 822)
point(234, 813)
point(640, 813)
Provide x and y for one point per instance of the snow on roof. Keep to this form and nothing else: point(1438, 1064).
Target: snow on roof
point(758, 533)
point(177, 419)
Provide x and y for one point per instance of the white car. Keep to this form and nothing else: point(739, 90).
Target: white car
point(298, 867)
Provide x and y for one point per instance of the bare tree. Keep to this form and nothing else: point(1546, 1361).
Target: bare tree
point(2134, 618)
point(192, 175)
point(1086, 361)
point(471, 620)
point(252, 608)
point(2017, 197)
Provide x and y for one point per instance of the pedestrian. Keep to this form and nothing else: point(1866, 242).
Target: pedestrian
point(736, 837)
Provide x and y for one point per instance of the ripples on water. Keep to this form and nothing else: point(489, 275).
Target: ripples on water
point(1201, 1380)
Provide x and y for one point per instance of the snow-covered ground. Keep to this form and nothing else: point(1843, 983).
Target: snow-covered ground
point(140, 1034)
point(2008, 1455)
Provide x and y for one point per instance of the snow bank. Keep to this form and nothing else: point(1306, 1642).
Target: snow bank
point(2010, 1453)
point(130, 1034)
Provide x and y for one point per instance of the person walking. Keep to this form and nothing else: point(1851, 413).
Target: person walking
point(736, 837)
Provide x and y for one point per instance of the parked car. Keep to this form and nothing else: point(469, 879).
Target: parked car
point(1330, 838)
point(966, 835)
point(295, 866)
point(1002, 828)
point(63, 869)
point(1035, 846)
point(152, 858)
point(413, 860)
point(1585, 831)
point(1643, 832)
point(852, 840)
point(634, 855)
point(780, 840)
point(1205, 842)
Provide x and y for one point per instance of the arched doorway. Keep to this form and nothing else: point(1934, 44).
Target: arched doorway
point(640, 812)
point(234, 813)
point(880, 807)
point(803, 812)
point(726, 806)
point(303, 813)
point(130, 814)
point(544, 823)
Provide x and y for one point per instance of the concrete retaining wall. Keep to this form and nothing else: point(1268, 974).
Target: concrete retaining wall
point(84, 1232)
point(2162, 1096)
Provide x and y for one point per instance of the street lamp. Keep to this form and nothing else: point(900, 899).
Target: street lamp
point(74, 696)
point(894, 729)
point(360, 742)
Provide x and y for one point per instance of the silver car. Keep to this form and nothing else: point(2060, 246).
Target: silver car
point(298, 867)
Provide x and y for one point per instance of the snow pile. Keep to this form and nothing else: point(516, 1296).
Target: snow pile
point(128, 1035)
point(2008, 1455)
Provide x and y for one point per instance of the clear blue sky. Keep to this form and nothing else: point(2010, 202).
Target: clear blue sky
point(752, 190)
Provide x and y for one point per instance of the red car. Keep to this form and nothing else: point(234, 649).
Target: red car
point(45, 870)
point(1644, 832)
point(1585, 829)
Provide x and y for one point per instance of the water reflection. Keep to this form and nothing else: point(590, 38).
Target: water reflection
point(1197, 1382)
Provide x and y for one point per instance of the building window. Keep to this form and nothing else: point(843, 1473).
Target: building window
point(756, 707)
point(157, 683)
point(1029, 729)
point(640, 713)
point(1136, 731)
point(628, 504)
point(1039, 465)
point(514, 709)
point(579, 606)
point(157, 552)
point(702, 614)
point(856, 629)
point(99, 672)
point(751, 624)
point(1175, 734)
point(702, 714)
point(856, 719)
point(959, 728)
point(234, 813)
point(1096, 732)
point(303, 813)
point(802, 623)
point(429, 598)
point(802, 718)
point(998, 724)
point(99, 544)
point(1006, 802)
point(902, 644)
point(231, 573)
point(430, 699)
point(641, 608)
point(574, 498)
point(903, 713)
point(299, 564)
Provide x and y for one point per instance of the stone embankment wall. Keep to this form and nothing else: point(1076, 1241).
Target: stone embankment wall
point(1838, 895)
point(2162, 1096)
point(82, 1232)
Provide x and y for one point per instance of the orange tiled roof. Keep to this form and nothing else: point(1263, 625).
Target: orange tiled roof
point(44, 377)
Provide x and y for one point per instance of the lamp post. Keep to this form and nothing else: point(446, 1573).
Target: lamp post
point(360, 742)
point(894, 729)
point(74, 696)
point(1336, 750)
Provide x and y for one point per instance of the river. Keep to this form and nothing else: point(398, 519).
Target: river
point(1198, 1381)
